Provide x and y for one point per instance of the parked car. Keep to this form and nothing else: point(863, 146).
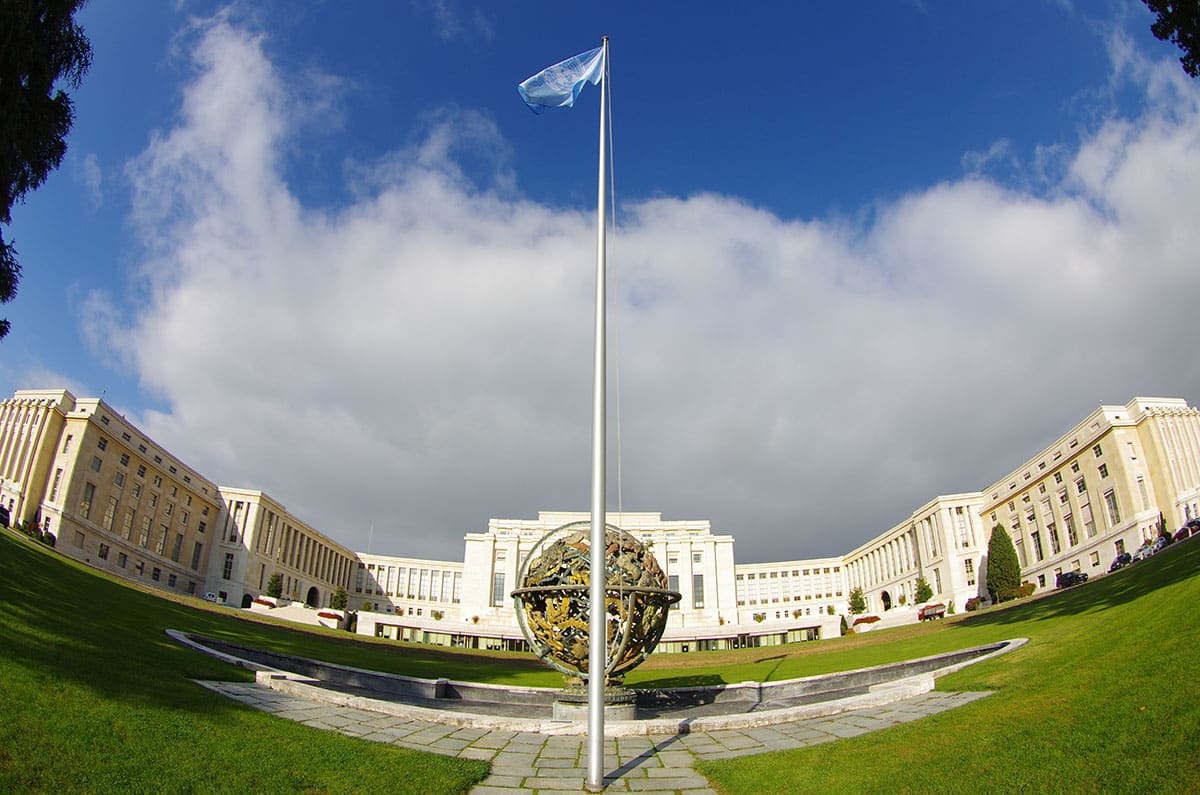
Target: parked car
point(1066, 579)
point(212, 597)
point(1182, 533)
point(1159, 544)
point(1144, 551)
point(930, 612)
point(1120, 562)
point(4, 516)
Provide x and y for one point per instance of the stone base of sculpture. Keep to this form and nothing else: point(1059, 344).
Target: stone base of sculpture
point(620, 703)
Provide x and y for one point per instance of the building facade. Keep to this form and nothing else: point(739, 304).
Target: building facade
point(115, 499)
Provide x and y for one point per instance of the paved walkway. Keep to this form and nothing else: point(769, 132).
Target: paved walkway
point(524, 762)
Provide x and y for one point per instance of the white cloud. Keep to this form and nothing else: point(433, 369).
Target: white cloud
point(420, 359)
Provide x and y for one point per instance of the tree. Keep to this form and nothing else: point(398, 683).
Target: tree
point(275, 586)
point(924, 592)
point(339, 599)
point(1178, 21)
point(858, 602)
point(40, 47)
point(1003, 569)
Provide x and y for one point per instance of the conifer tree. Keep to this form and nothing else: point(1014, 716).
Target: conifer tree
point(1003, 569)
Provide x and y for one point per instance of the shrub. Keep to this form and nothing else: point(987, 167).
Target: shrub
point(829, 609)
point(48, 538)
point(972, 604)
point(924, 591)
point(858, 602)
point(950, 608)
point(339, 599)
point(275, 585)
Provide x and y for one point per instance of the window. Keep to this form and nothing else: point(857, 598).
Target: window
point(1052, 532)
point(695, 557)
point(697, 590)
point(200, 527)
point(158, 481)
point(119, 479)
point(162, 539)
point(969, 566)
point(103, 553)
point(1041, 580)
point(136, 490)
point(144, 535)
point(170, 508)
point(1103, 471)
point(96, 463)
point(1141, 492)
point(57, 483)
point(1097, 451)
point(1114, 513)
point(177, 547)
point(124, 459)
point(1074, 466)
point(67, 443)
point(85, 505)
point(171, 580)
point(673, 585)
point(196, 550)
point(102, 443)
point(156, 575)
point(1037, 544)
point(1080, 486)
point(141, 471)
point(1095, 558)
point(122, 559)
point(110, 514)
point(498, 589)
point(227, 571)
point(1072, 535)
point(1058, 477)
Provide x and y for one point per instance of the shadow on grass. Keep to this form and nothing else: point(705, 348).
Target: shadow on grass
point(696, 680)
point(1176, 563)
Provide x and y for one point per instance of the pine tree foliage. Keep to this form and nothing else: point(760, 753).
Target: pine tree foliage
point(1003, 569)
point(41, 47)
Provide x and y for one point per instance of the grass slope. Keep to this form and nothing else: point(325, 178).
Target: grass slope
point(95, 698)
point(1105, 696)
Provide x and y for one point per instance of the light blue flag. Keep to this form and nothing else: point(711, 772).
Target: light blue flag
point(558, 86)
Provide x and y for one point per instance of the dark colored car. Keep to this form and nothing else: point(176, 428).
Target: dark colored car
point(1068, 578)
point(1120, 561)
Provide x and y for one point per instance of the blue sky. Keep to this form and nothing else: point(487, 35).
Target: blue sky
point(324, 250)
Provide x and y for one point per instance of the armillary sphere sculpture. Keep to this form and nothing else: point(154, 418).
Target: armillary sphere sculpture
point(553, 605)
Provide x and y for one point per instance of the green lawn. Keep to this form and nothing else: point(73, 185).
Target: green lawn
point(95, 698)
point(1105, 697)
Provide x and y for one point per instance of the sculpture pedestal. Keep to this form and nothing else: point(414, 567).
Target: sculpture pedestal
point(620, 703)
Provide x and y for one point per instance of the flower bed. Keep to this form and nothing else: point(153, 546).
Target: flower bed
point(329, 614)
point(264, 602)
point(865, 620)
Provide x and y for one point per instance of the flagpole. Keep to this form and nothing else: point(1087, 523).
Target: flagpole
point(597, 630)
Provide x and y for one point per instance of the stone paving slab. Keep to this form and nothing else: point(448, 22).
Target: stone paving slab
point(528, 763)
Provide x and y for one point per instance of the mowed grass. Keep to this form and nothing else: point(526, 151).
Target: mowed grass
point(1104, 697)
point(95, 698)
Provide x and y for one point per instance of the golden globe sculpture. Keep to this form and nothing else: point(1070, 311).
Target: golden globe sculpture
point(553, 605)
